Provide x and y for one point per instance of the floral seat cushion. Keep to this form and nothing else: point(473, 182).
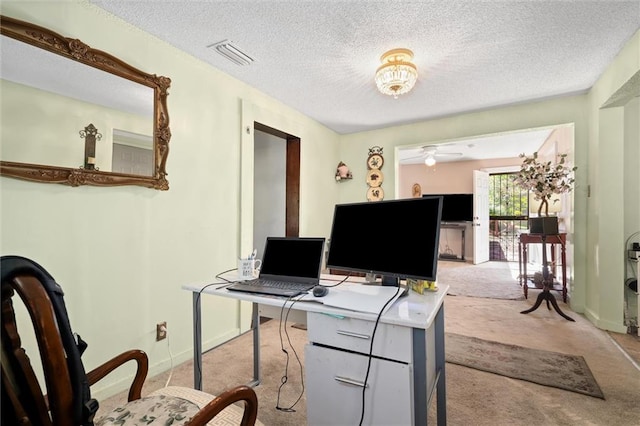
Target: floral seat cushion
point(172, 405)
point(151, 410)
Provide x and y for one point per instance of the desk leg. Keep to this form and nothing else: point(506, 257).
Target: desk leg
point(440, 368)
point(520, 263)
point(563, 259)
point(197, 342)
point(420, 398)
point(422, 395)
point(524, 270)
point(554, 269)
point(255, 325)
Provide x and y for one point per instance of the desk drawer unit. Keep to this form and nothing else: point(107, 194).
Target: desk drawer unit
point(335, 380)
point(390, 341)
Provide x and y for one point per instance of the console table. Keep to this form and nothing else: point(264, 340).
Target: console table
point(408, 360)
point(552, 240)
point(462, 228)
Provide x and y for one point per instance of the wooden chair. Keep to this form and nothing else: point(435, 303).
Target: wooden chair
point(24, 402)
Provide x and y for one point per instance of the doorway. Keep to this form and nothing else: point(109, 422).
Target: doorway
point(276, 184)
point(508, 216)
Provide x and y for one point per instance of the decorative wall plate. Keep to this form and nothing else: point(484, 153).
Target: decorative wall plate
point(375, 194)
point(375, 161)
point(374, 178)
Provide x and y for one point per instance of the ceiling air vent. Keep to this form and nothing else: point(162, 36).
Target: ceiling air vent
point(227, 49)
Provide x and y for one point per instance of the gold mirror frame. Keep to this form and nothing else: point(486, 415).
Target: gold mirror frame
point(76, 50)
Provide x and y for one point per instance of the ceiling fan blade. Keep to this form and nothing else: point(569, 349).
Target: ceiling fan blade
point(414, 157)
point(448, 154)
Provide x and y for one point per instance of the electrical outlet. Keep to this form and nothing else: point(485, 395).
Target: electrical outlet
point(161, 331)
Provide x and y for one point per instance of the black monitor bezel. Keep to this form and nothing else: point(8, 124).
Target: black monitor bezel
point(379, 272)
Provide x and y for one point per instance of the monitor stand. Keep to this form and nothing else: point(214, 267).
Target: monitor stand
point(390, 281)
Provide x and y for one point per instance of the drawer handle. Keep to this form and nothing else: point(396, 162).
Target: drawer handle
point(350, 382)
point(352, 334)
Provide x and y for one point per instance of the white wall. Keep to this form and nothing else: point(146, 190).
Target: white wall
point(631, 163)
point(52, 124)
point(123, 253)
point(610, 133)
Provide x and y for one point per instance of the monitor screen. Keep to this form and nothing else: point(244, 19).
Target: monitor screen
point(395, 239)
point(456, 207)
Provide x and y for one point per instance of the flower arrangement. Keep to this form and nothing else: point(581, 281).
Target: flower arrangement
point(545, 179)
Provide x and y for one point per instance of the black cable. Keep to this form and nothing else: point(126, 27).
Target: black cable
point(338, 283)
point(285, 378)
point(373, 335)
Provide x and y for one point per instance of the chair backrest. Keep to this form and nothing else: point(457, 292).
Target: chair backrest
point(67, 391)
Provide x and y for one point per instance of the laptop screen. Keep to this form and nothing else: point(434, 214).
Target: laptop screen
point(293, 257)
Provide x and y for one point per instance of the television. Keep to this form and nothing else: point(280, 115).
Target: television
point(396, 239)
point(456, 207)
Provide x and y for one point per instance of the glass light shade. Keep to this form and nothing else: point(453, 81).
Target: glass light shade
point(397, 75)
point(430, 160)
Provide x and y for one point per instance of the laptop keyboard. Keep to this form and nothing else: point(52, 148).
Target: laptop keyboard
point(284, 285)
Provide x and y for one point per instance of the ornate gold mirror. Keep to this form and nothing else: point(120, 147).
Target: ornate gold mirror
point(76, 115)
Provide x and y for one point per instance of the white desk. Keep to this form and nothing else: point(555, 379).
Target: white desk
point(408, 364)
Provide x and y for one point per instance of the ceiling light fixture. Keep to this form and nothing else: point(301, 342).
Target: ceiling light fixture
point(397, 75)
point(430, 160)
point(233, 53)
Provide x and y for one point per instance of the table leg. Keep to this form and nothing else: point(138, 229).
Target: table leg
point(421, 395)
point(563, 259)
point(520, 263)
point(524, 270)
point(420, 398)
point(197, 342)
point(255, 325)
point(554, 268)
point(546, 295)
point(547, 281)
point(440, 368)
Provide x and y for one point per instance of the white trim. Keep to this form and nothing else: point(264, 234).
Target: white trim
point(506, 169)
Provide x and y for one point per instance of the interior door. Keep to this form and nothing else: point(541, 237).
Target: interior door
point(480, 217)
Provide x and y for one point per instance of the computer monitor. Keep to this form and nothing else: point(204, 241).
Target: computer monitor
point(396, 239)
point(456, 207)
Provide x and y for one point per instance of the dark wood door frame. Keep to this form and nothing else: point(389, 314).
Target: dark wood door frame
point(292, 185)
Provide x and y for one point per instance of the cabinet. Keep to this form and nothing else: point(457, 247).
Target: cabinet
point(336, 360)
point(407, 366)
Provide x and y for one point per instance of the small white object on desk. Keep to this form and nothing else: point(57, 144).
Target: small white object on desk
point(359, 297)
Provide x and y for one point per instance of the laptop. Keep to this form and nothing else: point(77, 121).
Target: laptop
point(290, 266)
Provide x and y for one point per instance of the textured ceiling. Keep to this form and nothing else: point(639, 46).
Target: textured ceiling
point(319, 57)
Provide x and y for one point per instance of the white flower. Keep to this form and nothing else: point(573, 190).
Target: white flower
point(544, 179)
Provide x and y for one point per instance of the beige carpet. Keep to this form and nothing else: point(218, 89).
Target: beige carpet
point(473, 397)
point(496, 280)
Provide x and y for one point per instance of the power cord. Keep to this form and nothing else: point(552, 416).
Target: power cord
point(170, 358)
point(339, 282)
point(220, 277)
point(285, 377)
point(373, 335)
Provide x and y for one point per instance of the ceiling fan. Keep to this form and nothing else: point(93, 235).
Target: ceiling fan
point(431, 152)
